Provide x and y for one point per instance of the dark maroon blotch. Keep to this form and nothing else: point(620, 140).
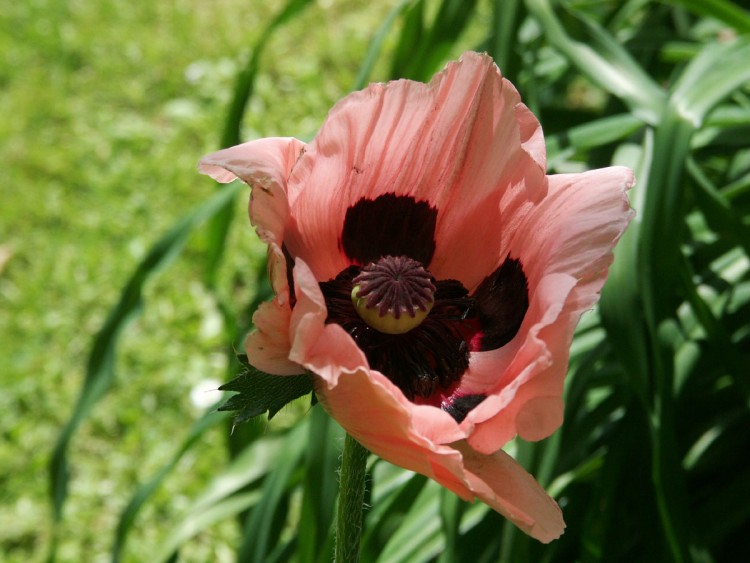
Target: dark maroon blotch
point(389, 225)
point(502, 300)
point(289, 275)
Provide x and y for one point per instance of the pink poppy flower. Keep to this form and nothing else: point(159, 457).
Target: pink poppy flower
point(430, 275)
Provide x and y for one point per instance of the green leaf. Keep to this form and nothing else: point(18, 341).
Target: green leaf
point(146, 490)
point(596, 133)
point(320, 488)
point(422, 49)
point(265, 523)
point(716, 72)
point(236, 488)
point(503, 45)
point(259, 392)
point(451, 508)
point(603, 60)
point(418, 537)
point(376, 44)
point(721, 10)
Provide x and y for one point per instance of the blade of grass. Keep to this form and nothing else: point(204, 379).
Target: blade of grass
point(265, 522)
point(596, 133)
point(717, 71)
point(412, 33)
point(319, 486)
point(422, 49)
point(200, 521)
point(451, 509)
point(418, 537)
point(503, 44)
point(717, 335)
point(659, 237)
point(228, 494)
point(658, 251)
point(717, 209)
point(394, 491)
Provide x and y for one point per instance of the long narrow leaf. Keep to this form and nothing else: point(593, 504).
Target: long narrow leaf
point(715, 73)
point(376, 44)
point(320, 486)
point(722, 10)
point(503, 45)
point(604, 61)
point(261, 527)
point(227, 494)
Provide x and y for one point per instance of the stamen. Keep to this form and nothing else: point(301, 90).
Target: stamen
point(394, 294)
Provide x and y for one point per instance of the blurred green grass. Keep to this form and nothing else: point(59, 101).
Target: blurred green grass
point(107, 107)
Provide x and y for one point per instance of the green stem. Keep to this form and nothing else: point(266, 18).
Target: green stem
point(351, 501)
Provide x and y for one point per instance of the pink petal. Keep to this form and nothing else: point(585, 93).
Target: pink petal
point(532, 138)
point(459, 143)
point(265, 166)
point(369, 408)
point(514, 374)
point(575, 228)
point(268, 346)
point(565, 248)
point(538, 415)
point(375, 413)
point(507, 487)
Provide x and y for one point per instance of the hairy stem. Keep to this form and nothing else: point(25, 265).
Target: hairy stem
point(351, 501)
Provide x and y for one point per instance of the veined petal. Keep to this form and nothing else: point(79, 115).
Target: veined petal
point(566, 248)
point(574, 229)
point(449, 174)
point(507, 487)
point(455, 143)
point(374, 411)
point(268, 346)
point(265, 166)
point(532, 138)
point(370, 410)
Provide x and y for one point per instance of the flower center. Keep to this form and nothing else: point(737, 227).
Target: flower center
point(394, 294)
